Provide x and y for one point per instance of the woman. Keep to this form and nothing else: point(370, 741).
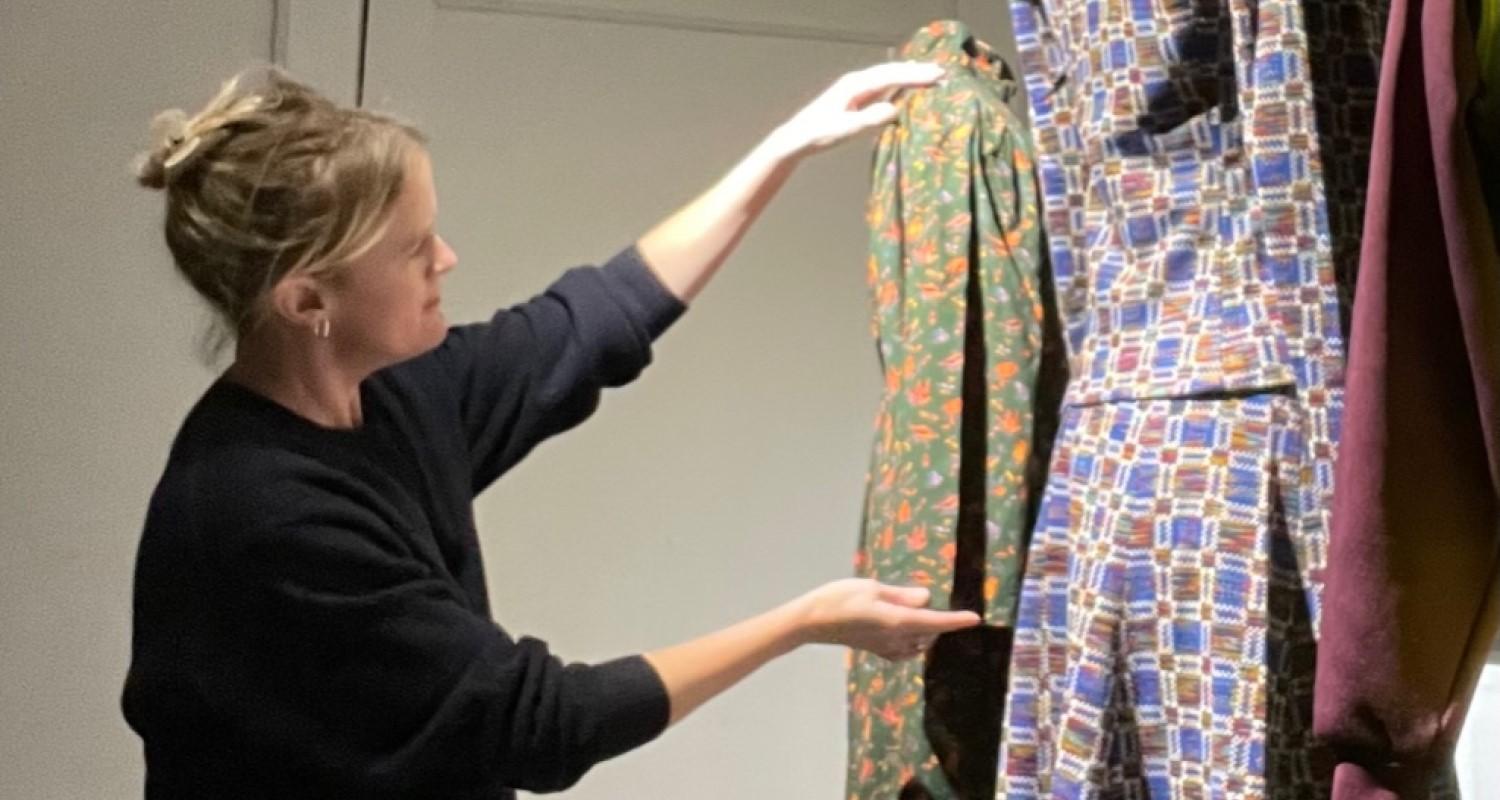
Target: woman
point(310, 609)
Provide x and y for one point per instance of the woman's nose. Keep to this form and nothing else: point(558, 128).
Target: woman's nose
point(446, 258)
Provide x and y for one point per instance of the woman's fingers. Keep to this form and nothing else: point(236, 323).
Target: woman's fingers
point(910, 596)
point(910, 627)
point(915, 629)
point(890, 621)
point(873, 116)
point(872, 82)
point(856, 102)
point(926, 621)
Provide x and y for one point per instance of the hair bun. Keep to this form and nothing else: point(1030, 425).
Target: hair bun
point(149, 171)
point(180, 139)
point(169, 128)
point(153, 169)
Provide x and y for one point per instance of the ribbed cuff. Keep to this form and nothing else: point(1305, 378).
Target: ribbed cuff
point(636, 708)
point(641, 293)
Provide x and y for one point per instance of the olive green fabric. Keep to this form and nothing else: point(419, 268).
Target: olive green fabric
point(955, 240)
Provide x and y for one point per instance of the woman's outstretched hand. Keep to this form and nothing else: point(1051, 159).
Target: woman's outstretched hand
point(685, 249)
point(856, 102)
point(891, 621)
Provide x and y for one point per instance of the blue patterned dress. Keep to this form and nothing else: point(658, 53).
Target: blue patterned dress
point(1202, 165)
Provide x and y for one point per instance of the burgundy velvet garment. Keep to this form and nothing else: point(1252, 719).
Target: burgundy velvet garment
point(1410, 605)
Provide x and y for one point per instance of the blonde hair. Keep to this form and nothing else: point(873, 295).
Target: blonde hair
point(269, 179)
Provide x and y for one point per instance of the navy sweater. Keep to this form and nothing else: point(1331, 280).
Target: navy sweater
point(310, 609)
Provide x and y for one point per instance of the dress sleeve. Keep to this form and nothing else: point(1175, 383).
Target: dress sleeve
point(363, 666)
point(537, 369)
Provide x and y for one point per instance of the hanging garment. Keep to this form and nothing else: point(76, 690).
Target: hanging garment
point(1165, 648)
point(1203, 169)
point(1413, 601)
point(956, 290)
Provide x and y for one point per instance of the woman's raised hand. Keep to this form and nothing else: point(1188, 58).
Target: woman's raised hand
point(855, 102)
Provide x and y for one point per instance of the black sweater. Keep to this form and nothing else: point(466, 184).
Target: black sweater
point(310, 609)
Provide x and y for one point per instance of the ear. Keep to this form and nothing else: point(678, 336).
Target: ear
point(300, 301)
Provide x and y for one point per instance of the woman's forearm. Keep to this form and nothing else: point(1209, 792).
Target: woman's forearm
point(696, 671)
point(891, 621)
point(687, 248)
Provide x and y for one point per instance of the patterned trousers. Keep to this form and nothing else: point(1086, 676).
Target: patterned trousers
point(1164, 647)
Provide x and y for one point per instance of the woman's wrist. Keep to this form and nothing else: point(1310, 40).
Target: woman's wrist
point(797, 624)
point(783, 147)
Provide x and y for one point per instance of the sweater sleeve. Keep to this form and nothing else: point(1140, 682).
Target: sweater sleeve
point(537, 369)
point(361, 664)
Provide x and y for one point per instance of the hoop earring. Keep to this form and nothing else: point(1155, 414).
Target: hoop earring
point(322, 327)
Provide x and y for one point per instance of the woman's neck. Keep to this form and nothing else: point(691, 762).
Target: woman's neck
point(304, 379)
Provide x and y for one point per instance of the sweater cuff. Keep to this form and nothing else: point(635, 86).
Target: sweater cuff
point(641, 293)
point(637, 708)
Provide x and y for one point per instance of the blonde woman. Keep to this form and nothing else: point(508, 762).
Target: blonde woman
point(310, 609)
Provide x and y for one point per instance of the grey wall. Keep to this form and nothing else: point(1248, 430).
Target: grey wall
point(96, 354)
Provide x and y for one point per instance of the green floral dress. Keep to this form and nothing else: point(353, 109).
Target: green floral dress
point(956, 279)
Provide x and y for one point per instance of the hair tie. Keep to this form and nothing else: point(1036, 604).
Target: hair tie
point(175, 148)
point(169, 129)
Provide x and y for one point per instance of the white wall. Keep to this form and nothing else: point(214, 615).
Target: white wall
point(96, 354)
point(1478, 769)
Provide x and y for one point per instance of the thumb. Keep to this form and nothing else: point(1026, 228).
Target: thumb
point(909, 596)
point(956, 620)
point(927, 620)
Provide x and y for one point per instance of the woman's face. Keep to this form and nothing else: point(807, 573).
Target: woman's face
point(385, 305)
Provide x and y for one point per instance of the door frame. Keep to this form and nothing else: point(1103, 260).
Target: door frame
point(322, 43)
